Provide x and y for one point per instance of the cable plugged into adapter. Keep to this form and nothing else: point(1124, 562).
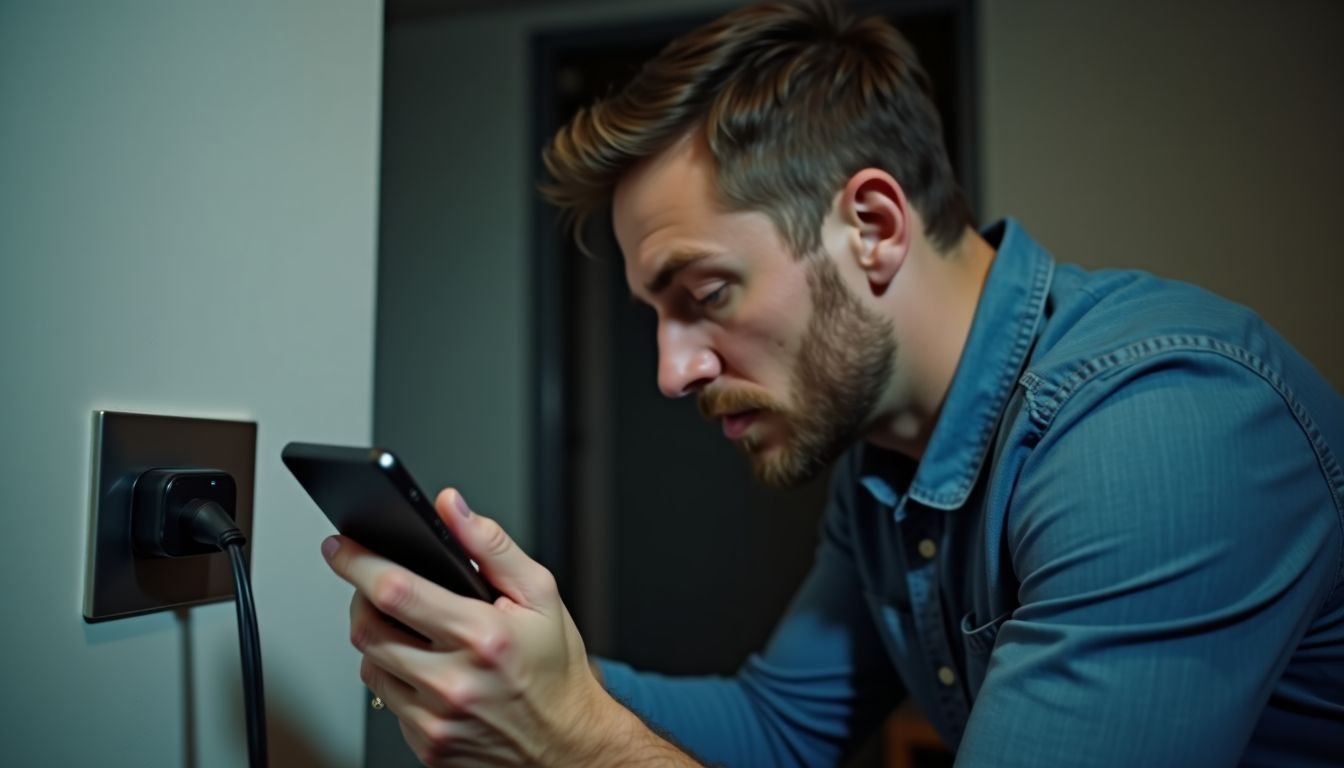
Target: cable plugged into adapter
point(165, 511)
point(188, 512)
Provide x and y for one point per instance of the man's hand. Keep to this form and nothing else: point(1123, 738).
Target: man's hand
point(503, 684)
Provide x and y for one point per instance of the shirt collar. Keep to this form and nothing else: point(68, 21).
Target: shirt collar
point(1005, 323)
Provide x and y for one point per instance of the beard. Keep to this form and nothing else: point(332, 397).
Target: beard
point(844, 362)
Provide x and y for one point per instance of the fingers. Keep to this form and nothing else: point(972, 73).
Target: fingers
point(431, 737)
point(416, 602)
point(426, 687)
point(373, 634)
point(503, 562)
point(397, 696)
point(422, 731)
point(414, 661)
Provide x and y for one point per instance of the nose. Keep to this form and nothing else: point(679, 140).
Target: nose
point(686, 362)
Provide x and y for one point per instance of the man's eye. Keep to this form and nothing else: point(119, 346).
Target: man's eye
point(714, 298)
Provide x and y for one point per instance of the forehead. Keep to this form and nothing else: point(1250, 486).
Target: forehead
point(668, 207)
point(669, 195)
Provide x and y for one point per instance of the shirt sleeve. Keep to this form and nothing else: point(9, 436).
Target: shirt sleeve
point(1173, 536)
point(822, 681)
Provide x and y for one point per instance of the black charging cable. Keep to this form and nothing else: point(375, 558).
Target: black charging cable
point(210, 524)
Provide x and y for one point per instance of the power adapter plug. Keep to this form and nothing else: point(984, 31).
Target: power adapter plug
point(163, 501)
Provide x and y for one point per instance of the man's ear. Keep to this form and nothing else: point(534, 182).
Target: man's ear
point(874, 204)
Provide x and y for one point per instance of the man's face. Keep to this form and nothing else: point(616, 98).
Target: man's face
point(777, 349)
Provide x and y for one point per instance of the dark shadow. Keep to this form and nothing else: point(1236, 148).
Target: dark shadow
point(384, 746)
point(291, 745)
point(121, 630)
point(288, 743)
point(189, 744)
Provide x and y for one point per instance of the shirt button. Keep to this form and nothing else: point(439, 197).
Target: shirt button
point(927, 549)
point(946, 676)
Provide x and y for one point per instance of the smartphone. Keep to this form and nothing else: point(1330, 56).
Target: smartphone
point(370, 496)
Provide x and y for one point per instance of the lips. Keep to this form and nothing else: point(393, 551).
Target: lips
point(735, 425)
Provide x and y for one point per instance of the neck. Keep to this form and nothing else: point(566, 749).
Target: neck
point(933, 309)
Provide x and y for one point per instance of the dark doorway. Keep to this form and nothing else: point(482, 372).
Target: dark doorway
point(668, 555)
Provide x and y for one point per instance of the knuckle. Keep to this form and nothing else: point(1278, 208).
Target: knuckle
point(427, 754)
point(359, 635)
point(392, 591)
point(546, 579)
point(440, 742)
point(490, 648)
point(459, 696)
point(496, 541)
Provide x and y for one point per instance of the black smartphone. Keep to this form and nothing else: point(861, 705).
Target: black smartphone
point(370, 496)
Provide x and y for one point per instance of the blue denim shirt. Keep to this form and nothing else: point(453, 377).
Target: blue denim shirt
point(1123, 546)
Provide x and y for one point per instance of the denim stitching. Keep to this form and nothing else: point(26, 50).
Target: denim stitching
point(1044, 402)
point(1003, 386)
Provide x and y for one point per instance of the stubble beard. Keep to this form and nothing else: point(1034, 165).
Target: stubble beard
point(844, 362)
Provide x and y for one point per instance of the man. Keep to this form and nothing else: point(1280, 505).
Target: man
point(1082, 519)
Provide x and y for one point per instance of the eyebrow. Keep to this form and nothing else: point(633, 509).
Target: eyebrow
point(678, 261)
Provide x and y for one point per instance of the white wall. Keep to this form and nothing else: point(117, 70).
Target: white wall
point(187, 210)
point(1200, 140)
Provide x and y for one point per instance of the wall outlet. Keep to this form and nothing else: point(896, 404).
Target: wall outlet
point(125, 445)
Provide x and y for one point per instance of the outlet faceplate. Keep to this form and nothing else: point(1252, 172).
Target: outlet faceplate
point(117, 583)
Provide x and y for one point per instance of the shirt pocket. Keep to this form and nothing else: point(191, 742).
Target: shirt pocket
point(977, 640)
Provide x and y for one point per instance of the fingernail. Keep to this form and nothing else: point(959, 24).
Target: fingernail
point(329, 546)
point(461, 504)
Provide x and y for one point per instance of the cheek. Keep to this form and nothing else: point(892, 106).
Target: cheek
point(754, 356)
point(781, 321)
point(764, 340)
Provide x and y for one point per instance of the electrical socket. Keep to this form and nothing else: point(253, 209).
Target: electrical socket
point(161, 496)
point(126, 445)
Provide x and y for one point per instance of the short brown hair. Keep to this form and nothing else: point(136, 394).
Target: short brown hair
point(794, 96)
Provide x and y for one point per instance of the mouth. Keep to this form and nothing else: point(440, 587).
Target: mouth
point(735, 425)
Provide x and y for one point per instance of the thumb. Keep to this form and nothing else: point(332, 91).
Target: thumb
point(503, 563)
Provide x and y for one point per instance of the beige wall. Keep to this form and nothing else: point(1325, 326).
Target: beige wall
point(1199, 140)
point(187, 210)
